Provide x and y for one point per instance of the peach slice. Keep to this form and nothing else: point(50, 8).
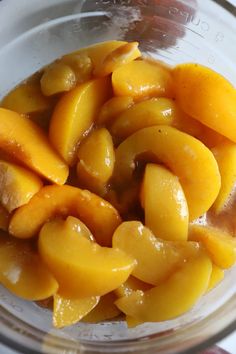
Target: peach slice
point(173, 297)
point(112, 108)
point(82, 267)
point(17, 185)
point(26, 98)
point(81, 64)
point(22, 271)
point(191, 161)
point(165, 205)
point(118, 57)
point(207, 96)
point(220, 245)
point(217, 275)
point(225, 155)
point(4, 218)
point(160, 259)
point(142, 78)
point(52, 201)
point(96, 161)
point(26, 142)
point(74, 115)
point(105, 310)
point(67, 312)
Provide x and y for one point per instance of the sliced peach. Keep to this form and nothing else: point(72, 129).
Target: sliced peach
point(130, 285)
point(173, 297)
point(81, 64)
point(217, 275)
point(4, 218)
point(105, 310)
point(113, 107)
point(142, 78)
point(74, 115)
point(81, 267)
point(160, 259)
point(191, 161)
point(225, 155)
point(165, 205)
point(220, 245)
point(26, 98)
point(57, 78)
point(118, 57)
point(17, 185)
point(26, 142)
point(52, 201)
point(67, 312)
point(207, 96)
point(22, 271)
point(96, 160)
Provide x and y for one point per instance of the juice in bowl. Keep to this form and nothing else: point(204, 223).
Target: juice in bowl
point(124, 127)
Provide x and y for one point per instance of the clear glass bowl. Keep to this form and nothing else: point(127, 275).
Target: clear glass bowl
point(171, 30)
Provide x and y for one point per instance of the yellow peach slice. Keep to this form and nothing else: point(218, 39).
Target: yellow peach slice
point(22, 271)
point(74, 115)
point(160, 258)
point(207, 96)
point(81, 64)
point(52, 201)
point(17, 185)
point(220, 245)
point(26, 142)
point(112, 108)
point(26, 98)
point(118, 57)
point(4, 218)
point(164, 203)
point(96, 161)
point(191, 161)
point(173, 297)
point(131, 284)
point(81, 267)
point(217, 275)
point(142, 78)
point(67, 312)
point(225, 155)
point(57, 78)
point(105, 310)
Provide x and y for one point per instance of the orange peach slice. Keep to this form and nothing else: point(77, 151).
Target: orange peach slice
point(74, 115)
point(52, 201)
point(173, 297)
point(26, 142)
point(105, 310)
point(82, 267)
point(142, 78)
point(165, 205)
point(225, 155)
point(207, 96)
point(17, 185)
point(112, 108)
point(191, 161)
point(22, 271)
point(220, 245)
point(160, 259)
point(67, 312)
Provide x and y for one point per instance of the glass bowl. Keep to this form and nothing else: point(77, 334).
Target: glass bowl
point(171, 30)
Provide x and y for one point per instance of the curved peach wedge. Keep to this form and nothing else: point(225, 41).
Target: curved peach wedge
point(52, 201)
point(23, 272)
point(67, 312)
point(17, 185)
point(191, 161)
point(142, 78)
point(225, 155)
point(220, 245)
point(173, 297)
point(81, 267)
point(26, 142)
point(112, 108)
point(105, 310)
point(96, 160)
point(160, 259)
point(164, 203)
point(207, 96)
